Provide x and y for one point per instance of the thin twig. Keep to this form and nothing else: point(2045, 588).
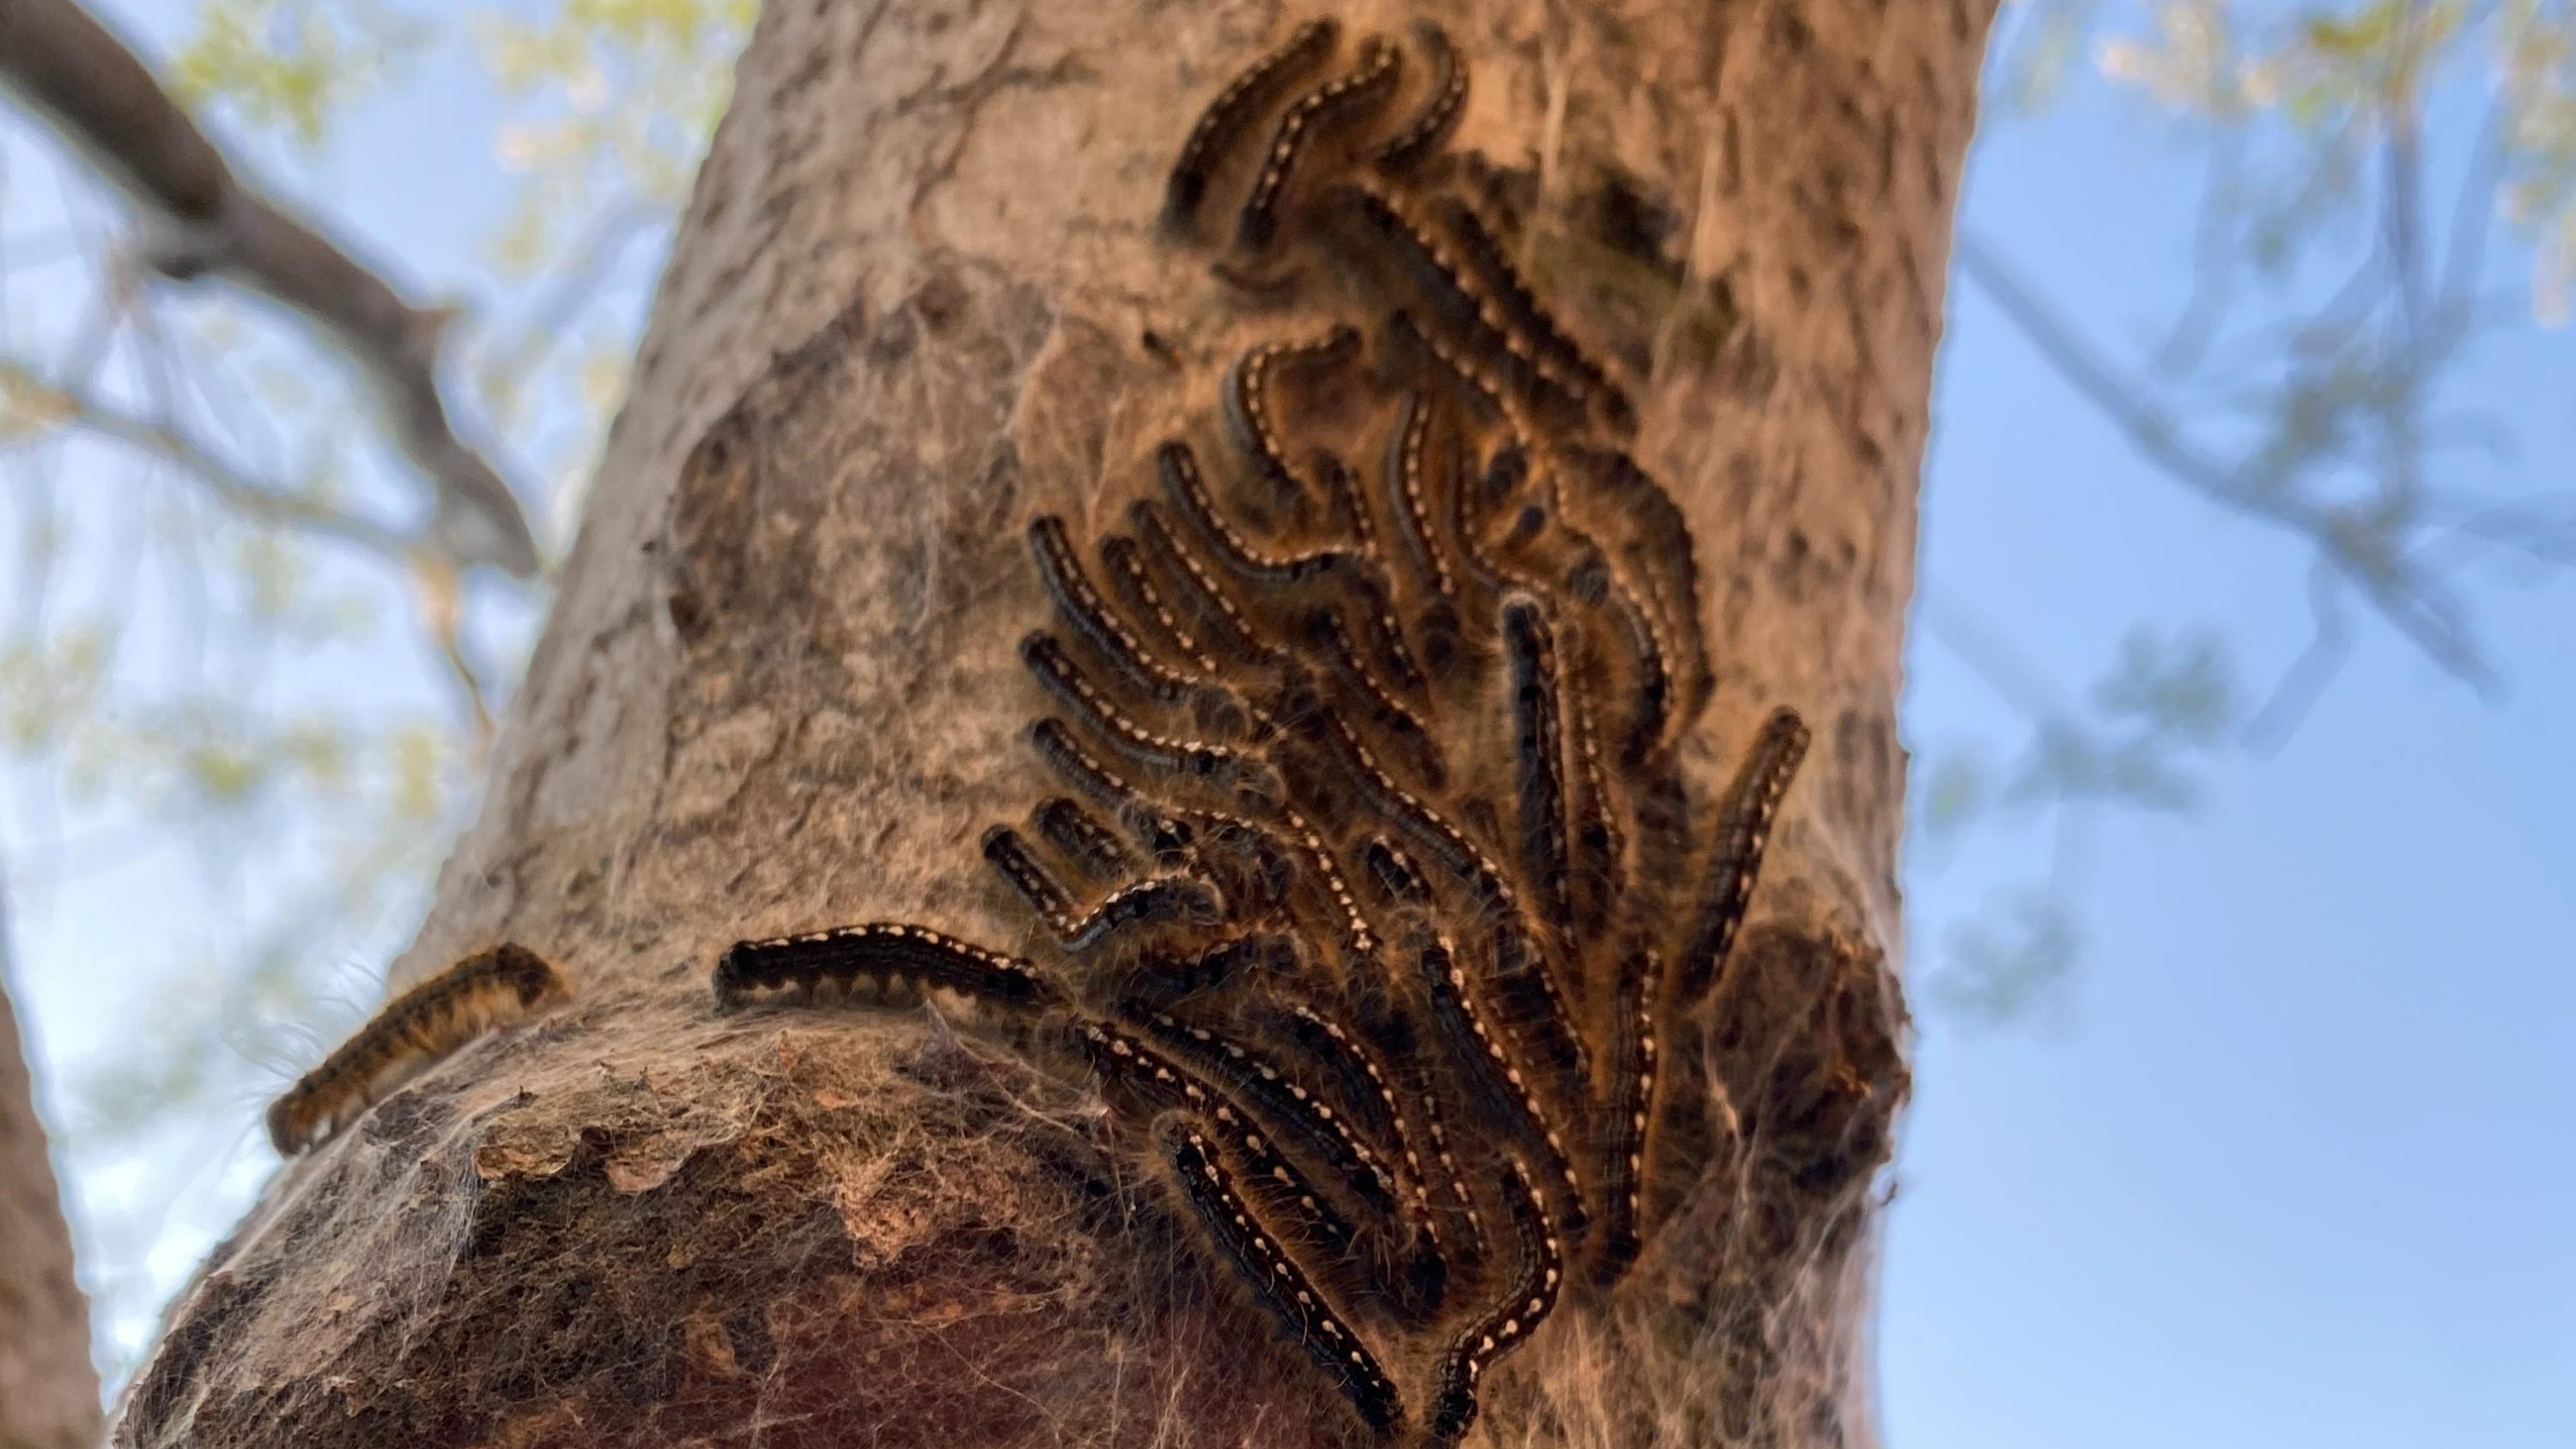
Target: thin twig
point(2301, 684)
point(252, 499)
point(1990, 656)
point(438, 596)
point(2407, 601)
point(551, 316)
point(200, 220)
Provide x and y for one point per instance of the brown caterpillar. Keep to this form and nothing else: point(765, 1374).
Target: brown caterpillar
point(1080, 605)
point(1136, 589)
point(1273, 1181)
point(1521, 309)
point(1293, 1110)
point(1598, 842)
point(1479, 385)
point(1255, 869)
point(1366, 86)
point(414, 1032)
point(1247, 400)
point(1539, 752)
point(1509, 1323)
point(1472, 1246)
point(1628, 1122)
point(1362, 1085)
point(1166, 836)
point(1650, 705)
point(1226, 117)
point(1736, 861)
point(1397, 877)
point(1187, 488)
point(1199, 591)
point(1210, 1127)
point(1407, 461)
point(1359, 939)
point(1495, 1077)
point(1286, 1288)
point(1349, 572)
point(1168, 899)
point(1382, 214)
point(1427, 826)
point(1504, 476)
point(1421, 753)
point(1390, 906)
point(1079, 837)
point(1523, 984)
point(889, 955)
point(1399, 1053)
point(1441, 105)
point(1199, 759)
point(1161, 975)
point(1342, 490)
point(1661, 542)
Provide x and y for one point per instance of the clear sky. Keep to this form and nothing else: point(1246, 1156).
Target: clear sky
point(2289, 1165)
point(2284, 1162)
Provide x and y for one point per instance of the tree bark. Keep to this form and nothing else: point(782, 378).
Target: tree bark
point(919, 296)
point(48, 1390)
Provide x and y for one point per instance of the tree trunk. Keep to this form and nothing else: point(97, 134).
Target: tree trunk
point(48, 1391)
point(919, 297)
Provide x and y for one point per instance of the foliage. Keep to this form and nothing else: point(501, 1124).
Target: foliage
point(292, 66)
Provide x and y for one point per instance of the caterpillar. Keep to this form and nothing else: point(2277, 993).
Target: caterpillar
point(413, 1033)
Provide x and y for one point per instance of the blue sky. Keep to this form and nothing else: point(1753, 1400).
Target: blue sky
point(2284, 1162)
point(2287, 1163)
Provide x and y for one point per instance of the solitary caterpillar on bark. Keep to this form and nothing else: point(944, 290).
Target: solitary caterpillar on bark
point(414, 1032)
point(1374, 940)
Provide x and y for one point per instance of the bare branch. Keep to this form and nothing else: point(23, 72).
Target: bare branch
point(2301, 684)
point(572, 288)
point(437, 595)
point(252, 499)
point(1990, 656)
point(2411, 603)
point(2213, 269)
point(200, 219)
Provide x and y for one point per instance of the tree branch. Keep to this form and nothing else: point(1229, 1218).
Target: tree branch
point(254, 500)
point(2408, 601)
point(200, 219)
point(508, 362)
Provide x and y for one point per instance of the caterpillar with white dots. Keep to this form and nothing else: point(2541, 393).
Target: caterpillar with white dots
point(1376, 883)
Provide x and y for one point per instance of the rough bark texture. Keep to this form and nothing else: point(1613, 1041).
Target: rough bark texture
point(48, 1391)
point(779, 691)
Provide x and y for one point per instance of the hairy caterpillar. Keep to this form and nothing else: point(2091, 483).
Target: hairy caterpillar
point(1235, 108)
point(1388, 778)
point(414, 1032)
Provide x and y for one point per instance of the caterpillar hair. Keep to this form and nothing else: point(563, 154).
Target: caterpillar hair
point(414, 1032)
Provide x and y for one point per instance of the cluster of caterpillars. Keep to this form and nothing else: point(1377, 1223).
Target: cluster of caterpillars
point(1373, 883)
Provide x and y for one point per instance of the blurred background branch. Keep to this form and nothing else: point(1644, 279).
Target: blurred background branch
point(201, 220)
point(2304, 383)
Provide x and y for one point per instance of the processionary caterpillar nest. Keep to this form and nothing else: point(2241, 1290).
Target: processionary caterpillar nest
point(1374, 885)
